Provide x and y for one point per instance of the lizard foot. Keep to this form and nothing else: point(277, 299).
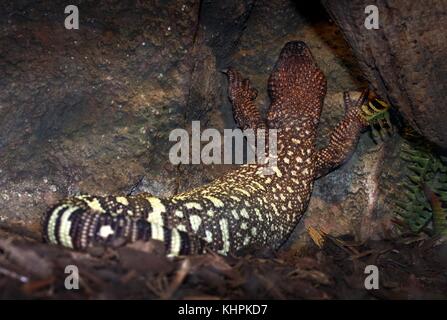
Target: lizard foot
point(242, 95)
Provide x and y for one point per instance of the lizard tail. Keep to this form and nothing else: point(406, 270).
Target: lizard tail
point(75, 226)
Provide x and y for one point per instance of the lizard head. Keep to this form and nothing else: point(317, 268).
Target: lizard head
point(296, 86)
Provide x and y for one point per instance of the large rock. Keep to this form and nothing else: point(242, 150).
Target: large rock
point(90, 110)
point(405, 60)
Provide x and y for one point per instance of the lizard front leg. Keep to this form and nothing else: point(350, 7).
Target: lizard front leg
point(344, 137)
point(242, 96)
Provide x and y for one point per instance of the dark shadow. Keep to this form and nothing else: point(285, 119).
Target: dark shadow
point(316, 16)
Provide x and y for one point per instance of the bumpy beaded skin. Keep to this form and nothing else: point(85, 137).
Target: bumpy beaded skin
point(245, 207)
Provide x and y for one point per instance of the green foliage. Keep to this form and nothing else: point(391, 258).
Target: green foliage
point(423, 196)
point(424, 190)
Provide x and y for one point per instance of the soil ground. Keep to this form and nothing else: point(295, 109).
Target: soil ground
point(409, 268)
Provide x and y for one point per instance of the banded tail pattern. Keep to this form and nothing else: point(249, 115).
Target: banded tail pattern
point(81, 221)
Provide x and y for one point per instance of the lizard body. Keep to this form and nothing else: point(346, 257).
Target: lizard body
point(245, 207)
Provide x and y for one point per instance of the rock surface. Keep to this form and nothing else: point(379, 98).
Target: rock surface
point(91, 110)
point(405, 59)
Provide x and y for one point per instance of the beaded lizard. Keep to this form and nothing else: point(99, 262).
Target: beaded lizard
point(245, 207)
